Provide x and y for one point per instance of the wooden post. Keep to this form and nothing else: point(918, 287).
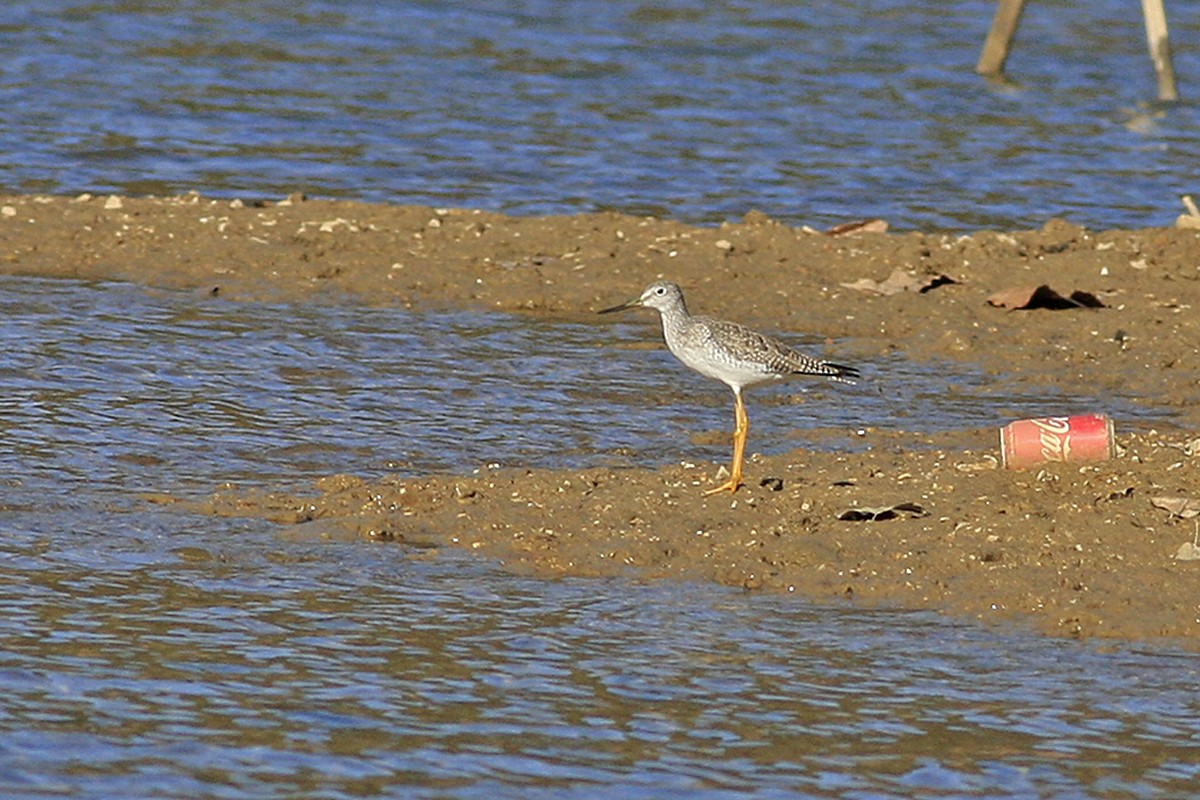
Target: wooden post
point(999, 38)
point(1160, 48)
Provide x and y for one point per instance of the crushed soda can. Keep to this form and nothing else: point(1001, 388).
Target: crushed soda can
point(1082, 438)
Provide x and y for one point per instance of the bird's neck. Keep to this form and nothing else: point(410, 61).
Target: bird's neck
point(673, 322)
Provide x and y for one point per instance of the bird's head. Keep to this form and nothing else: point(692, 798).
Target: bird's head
point(660, 295)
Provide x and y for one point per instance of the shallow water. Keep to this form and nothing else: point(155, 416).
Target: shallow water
point(116, 387)
point(149, 652)
point(693, 109)
point(213, 662)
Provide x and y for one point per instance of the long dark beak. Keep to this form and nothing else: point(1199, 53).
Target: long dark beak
point(622, 307)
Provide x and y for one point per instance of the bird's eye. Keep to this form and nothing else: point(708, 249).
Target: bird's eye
point(660, 291)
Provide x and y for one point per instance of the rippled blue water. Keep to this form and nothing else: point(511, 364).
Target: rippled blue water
point(203, 660)
point(701, 110)
point(149, 652)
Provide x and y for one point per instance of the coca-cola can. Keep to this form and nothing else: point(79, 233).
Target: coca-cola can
point(1082, 438)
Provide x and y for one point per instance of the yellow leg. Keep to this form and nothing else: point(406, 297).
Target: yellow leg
point(741, 432)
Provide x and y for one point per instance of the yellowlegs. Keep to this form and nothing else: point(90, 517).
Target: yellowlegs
point(730, 353)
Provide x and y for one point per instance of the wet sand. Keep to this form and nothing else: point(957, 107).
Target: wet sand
point(1070, 549)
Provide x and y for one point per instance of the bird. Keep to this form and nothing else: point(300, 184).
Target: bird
point(731, 353)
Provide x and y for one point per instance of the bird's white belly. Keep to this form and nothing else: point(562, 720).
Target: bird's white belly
point(733, 373)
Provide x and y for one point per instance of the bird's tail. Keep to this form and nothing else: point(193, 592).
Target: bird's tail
point(839, 373)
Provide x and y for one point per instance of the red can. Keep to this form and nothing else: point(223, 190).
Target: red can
point(1027, 442)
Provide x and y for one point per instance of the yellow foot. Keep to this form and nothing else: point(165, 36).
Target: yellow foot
point(730, 486)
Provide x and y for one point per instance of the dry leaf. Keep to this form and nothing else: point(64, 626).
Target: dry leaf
point(1187, 552)
point(900, 281)
point(1182, 507)
point(859, 226)
point(881, 513)
point(1031, 297)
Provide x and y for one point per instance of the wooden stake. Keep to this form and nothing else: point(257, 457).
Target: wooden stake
point(1160, 48)
point(999, 38)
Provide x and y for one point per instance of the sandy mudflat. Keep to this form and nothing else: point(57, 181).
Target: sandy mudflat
point(1071, 549)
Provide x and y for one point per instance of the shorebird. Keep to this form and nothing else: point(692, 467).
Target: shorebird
point(730, 353)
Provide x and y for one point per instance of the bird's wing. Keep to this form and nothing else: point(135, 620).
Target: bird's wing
point(777, 358)
point(739, 343)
